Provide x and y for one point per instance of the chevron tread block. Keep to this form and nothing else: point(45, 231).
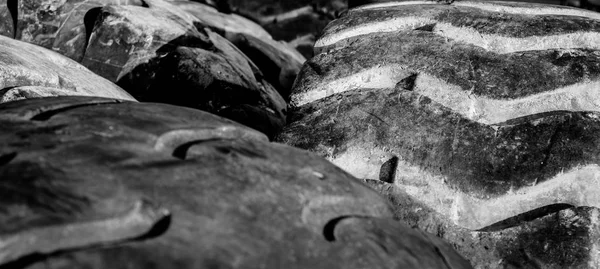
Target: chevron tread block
point(487, 110)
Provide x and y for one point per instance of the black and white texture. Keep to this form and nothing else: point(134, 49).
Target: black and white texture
point(102, 183)
point(179, 52)
point(479, 111)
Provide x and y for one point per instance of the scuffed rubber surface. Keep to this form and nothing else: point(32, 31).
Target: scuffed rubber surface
point(486, 113)
point(236, 200)
point(495, 128)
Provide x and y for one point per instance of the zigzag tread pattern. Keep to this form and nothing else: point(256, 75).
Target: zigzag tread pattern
point(493, 105)
point(487, 77)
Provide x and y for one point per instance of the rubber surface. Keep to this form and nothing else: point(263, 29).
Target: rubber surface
point(235, 200)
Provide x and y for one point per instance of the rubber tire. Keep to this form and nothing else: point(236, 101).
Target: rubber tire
point(71, 167)
point(485, 114)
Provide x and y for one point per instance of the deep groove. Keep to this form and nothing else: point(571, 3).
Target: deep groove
point(534, 117)
point(181, 151)
point(13, 8)
point(426, 27)
point(5, 90)
point(144, 4)
point(407, 83)
point(89, 21)
point(315, 67)
point(5, 158)
point(158, 229)
point(439, 253)
point(525, 217)
point(329, 228)
point(46, 115)
point(387, 172)
point(24, 261)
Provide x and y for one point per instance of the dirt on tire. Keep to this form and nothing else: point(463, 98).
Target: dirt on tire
point(484, 113)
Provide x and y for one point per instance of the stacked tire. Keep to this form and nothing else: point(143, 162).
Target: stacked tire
point(101, 183)
point(108, 182)
point(182, 53)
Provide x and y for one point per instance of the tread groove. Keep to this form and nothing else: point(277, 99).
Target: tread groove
point(46, 115)
point(329, 227)
point(517, 220)
point(6, 158)
point(89, 21)
point(13, 8)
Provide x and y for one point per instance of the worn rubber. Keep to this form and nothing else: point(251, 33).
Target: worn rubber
point(234, 199)
point(493, 106)
point(486, 115)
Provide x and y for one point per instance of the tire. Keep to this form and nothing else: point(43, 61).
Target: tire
point(30, 71)
point(170, 52)
point(160, 186)
point(486, 114)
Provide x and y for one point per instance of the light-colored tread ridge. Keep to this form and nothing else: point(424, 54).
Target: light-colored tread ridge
point(391, 25)
point(498, 7)
point(392, 4)
point(501, 7)
point(131, 224)
point(577, 186)
point(583, 96)
point(376, 77)
point(493, 43)
point(504, 45)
